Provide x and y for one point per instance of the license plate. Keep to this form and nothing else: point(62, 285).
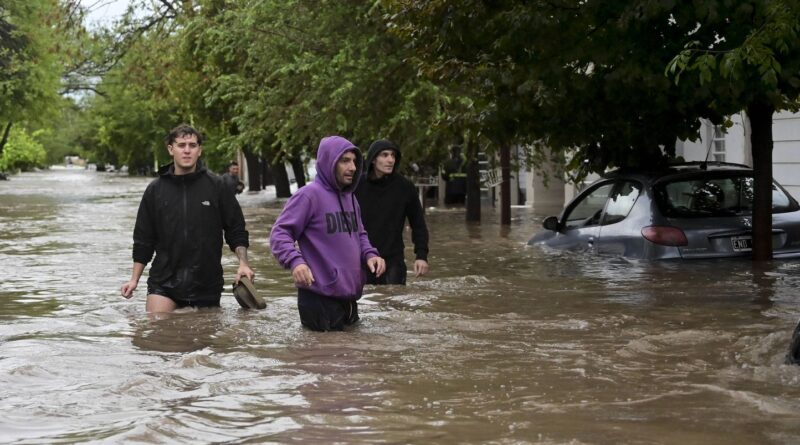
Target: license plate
point(742, 243)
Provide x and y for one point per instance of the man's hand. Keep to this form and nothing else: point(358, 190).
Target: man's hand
point(376, 265)
point(244, 267)
point(420, 268)
point(128, 288)
point(244, 271)
point(302, 275)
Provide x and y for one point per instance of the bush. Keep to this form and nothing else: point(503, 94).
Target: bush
point(22, 152)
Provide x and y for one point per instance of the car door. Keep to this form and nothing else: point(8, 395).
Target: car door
point(580, 222)
point(618, 234)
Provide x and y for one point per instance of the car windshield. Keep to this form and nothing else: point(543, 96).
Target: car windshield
point(715, 196)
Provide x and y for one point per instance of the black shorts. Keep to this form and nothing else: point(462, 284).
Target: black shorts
point(395, 272)
point(181, 299)
point(321, 313)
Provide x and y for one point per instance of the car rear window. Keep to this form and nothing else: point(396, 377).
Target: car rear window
point(715, 196)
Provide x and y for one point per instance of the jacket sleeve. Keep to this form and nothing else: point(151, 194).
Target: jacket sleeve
point(145, 235)
point(233, 223)
point(416, 219)
point(289, 226)
point(367, 251)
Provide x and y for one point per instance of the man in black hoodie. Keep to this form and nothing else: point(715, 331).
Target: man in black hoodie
point(387, 199)
point(181, 218)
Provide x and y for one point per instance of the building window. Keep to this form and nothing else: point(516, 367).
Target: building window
point(718, 144)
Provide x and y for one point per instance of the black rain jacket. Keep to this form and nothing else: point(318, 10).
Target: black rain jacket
point(386, 203)
point(181, 219)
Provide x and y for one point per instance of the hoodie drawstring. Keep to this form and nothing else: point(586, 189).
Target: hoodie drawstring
point(345, 219)
point(357, 217)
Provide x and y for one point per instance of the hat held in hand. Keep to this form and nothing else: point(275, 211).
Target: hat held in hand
point(245, 294)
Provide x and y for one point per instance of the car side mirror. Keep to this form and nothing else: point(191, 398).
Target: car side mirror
point(551, 223)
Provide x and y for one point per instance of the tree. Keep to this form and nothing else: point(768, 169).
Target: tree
point(588, 77)
point(150, 84)
point(287, 73)
point(566, 77)
point(23, 152)
point(748, 53)
point(136, 108)
point(29, 62)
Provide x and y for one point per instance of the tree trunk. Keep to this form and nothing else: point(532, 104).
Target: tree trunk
point(282, 189)
point(253, 169)
point(505, 186)
point(473, 183)
point(266, 173)
point(299, 171)
point(760, 115)
point(5, 137)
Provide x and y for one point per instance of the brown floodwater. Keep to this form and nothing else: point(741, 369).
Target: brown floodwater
point(501, 343)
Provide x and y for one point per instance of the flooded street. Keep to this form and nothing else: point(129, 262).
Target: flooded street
point(500, 343)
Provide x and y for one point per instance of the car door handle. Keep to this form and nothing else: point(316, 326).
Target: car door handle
point(590, 241)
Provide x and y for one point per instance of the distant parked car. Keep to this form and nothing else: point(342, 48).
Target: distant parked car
point(691, 210)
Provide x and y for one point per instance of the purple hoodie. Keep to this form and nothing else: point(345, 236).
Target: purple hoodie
point(326, 223)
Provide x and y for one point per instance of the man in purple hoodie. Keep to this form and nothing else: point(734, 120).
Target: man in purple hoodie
point(324, 219)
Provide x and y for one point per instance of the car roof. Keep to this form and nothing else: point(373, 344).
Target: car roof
point(656, 173)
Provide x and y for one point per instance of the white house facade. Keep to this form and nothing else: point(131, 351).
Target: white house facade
point(733, 145)
point(715, 144)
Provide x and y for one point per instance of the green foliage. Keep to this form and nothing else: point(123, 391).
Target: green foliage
point(70, 134)
point(144, 93)
point(29, 65)
point(23, 151)
point(286, 73)
point(269, 76)
point(748, 52)
point(587, 79)
point(576, 80)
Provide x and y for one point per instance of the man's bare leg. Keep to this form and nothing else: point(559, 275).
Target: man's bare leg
point(159, 304)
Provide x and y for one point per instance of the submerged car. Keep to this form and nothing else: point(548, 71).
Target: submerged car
point(690, 210)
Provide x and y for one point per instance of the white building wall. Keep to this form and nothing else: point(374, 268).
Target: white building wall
point(736, 138)
point(785, 153)
point(545, 188)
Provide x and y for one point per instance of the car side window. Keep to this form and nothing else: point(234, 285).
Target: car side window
point(781, 201)
point(717, 196)
point(621, 202)
point(589, 209)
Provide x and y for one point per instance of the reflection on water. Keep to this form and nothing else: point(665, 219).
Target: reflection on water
point(178, 332)
point(501, 343)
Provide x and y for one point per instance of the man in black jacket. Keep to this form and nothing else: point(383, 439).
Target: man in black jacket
point(181, 218)
point(387, 199)
point(231, 178)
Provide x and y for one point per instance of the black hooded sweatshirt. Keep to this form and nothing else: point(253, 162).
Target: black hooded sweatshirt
point(386, 203)
point(181, 219)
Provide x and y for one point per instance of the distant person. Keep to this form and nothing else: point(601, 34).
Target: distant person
point(182, 217)
point(387, 199)
point(324, 219)
point(231, 178)
point(455, 190)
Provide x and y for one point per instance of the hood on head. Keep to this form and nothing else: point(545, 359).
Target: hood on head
point(331, 148)
point(377, 147)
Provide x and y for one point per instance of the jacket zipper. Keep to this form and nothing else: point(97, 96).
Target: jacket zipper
point(185, 214)
point(185, 221)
